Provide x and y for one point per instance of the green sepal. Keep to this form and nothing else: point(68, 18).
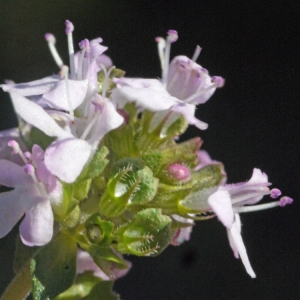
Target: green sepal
point(53, 269)
point(95, 166)
point(157, 127)
point(130, 183)
point(115, 73)
point(208, 177)
point(81, 189)
point(153, 161)
point(169, 196)
point(99, 231)
point(62, 208)
point(184, 153)
point(106, 259)
point(148, 233)
point(82, 287)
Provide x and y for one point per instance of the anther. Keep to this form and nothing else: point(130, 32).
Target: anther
point(275, 193)
point(218, 81)
point(285, 200)
point(51, 43)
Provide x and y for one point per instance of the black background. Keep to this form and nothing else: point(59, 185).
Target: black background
point(253, 122)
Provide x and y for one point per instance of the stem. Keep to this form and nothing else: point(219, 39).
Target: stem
point(20, 286)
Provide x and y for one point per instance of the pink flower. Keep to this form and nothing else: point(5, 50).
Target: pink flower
point(184, 84)
point(35, 189)
point(229, 200)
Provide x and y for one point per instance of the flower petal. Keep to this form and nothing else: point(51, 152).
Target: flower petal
point(220, 203)
point(146, 93)
point(65, 158)
point(12, 175)
point(36, 116)
point(36, 87)
point(57, 97)
point(11, 211)
point(235, 236)
point(37, 227)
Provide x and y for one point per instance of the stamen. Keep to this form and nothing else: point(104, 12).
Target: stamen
point(16, 150)
point(84, 45)
point(285, 200)
point(178, 172)
point(161, 45)
point(64, 73)
point(106, 78)
point(30, 170)
point(51, 43)
point(217, 83)
point(28, 155)
point(275, 193)
point(172, 37)
point(196, 53)
point(247, 196)
point(282, 202)
point(69, 30)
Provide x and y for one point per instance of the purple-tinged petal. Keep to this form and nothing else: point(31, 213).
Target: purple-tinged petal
point(235, 236)
point(37, 87)
point(104, 60)
point(12, 175)
point(66, 158)
point(37, 227)
point(258, 177)
point(96, 49)
point(220, 203)
point(57, 97)
point(36, 116)
point(85, 263)
point(11, 211)
point(187, 78)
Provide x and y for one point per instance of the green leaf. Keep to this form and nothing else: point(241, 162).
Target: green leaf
point(96, 166)
point(102, 290)
point(82, 287)
point(23, 255)
point(53, 269)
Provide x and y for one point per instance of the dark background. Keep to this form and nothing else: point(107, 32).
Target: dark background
point(253, 122)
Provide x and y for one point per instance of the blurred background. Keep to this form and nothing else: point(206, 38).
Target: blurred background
point(253, 121)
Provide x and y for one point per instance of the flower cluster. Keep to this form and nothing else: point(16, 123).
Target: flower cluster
point(96, 169)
